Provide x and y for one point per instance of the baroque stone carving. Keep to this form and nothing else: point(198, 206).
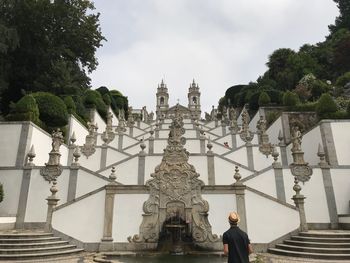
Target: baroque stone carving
point(246, 135)
point(299, 168)
point(175, 190)
point(53, 167)
point(88, 148)
point(265, 146)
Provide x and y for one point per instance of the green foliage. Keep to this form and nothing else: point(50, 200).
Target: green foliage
point(1, 193)
point(93, 99)
point(343, 20)
point(26, 109)
point(309, 106)
point(70, 104)
point(290, 99)
point(318, 87)
point(107, 99)
point(56, 47)
point(271, 117)
point(264, 99)
point(326, 105)
point(52, 110)
point(343, 80)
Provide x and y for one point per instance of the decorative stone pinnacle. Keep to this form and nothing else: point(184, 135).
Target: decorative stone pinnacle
point(104, 137)
point(321, 154)
point(31, 155)
point(73, 139)
point(275, 154)
point(237, 176)
point(76, 155)
point(209, 145)
point(142, 145)
point(53, 188)
point(112, 176)
point(151, 131)
point(296, 187)
point(280, 137)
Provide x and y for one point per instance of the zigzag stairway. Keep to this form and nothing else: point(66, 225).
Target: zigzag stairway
point(23, 245)
point(321, 244)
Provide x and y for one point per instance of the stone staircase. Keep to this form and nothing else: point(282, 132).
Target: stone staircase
point(25, 245)
point(325, 244)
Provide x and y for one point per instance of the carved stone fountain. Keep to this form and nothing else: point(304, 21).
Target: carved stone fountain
point(175, 209)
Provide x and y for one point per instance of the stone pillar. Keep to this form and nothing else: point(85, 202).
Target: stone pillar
point(216, 123)
point(24, 140)
point(107, 239)
point(23, 197)
point(328, 143)
point(239, 189)
point(283, 149)
point(103, 161)
point(250, 156)
point(142, 163)
point(52, 201)
point(223, 126)
point(151, 145)
point(299, 202)
point(131, 131)
point(73, 175)
point(202, 144)
point(120, 141)
point(233, 141)
point(279, 180)
point(329, 190)
point(210, 161)
point(71, 148)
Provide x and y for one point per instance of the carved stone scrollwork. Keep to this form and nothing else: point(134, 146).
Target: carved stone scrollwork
point(265, 146)
point(246, 135)
point(88, 148)
point(175, 189)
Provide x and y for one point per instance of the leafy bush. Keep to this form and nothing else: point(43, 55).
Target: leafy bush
point(53, 111)
point(26, 109)
point(343, 79)
point(290, 99)
point(93, 99)
point(309, 106)
point(335, 115)
point(71, 108)
point(318, 87)
point(264, 99)
point(326, 105)
point(107, 99)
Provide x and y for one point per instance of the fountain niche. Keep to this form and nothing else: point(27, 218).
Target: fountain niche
point(175, 214)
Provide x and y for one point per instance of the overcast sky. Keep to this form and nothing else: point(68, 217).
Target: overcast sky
point(219, 43)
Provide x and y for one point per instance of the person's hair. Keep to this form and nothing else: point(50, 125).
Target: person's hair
point(233, 223)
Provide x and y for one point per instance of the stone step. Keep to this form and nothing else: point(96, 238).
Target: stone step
point(324, 234)
point(31, 240)
point(33, 245)
point(314, 249)
point(36, 250)
point(289, 253)
point(321, 239)
point(316, 244)
point(40, 255)
point(25, 235)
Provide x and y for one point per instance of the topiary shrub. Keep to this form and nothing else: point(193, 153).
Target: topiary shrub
point(26, 109)
point(71, 108)
point(290, 99)
point(93, 99)
point(343, 79)
point(264, 99)
point(326, 105)
point(53, 111)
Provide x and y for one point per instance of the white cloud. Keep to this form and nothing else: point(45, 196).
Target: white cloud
point(219, 43)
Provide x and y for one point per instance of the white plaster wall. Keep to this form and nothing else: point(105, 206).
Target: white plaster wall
point(64, 154)
point(239, 156)
point(340, 131)
point(39, 190)
point(136, 149)
point(310, 145)
point(92, 162)
point(226, 138)
point(150, 164)
point(9, 141)
point(189, 126)
point(190, 134)
point(127, 215)
point(220, 205)
point(225, 170)
point(200, 163)
point(211, 135)
point(11, 181)
point(160, 145)
point(274, 130)
point(254, 121)
point(217, 131)
point(82, 220)
point(42, 145)
point(262, 226)
point(164, 133)
point(79, 129)
point(87, 182)
point(114, 156)
point(114, 143)
point(100, 122)
point(127, 141)
point(127, 172)
point(316, 208)
point(260, 160)
point(210, 124)
point(341, 185)
point(192, 146)
point(264, 182)
point(137, 132)
point(219, 149)
point(143, 125)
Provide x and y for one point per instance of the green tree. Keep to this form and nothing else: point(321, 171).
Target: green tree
point(26, 109)
point(264, 99)
point(343, 79)
point(326, 105)
point(56, 50)
point(343, 20)
point(290, 99)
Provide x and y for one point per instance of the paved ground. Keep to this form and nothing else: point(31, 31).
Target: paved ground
point(263, 258)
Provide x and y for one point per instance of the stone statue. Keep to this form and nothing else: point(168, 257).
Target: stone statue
point(109, 120)
point(151, 116)
point(296, 139)
point(57, 140)
point(232, 114)
point(261, 125)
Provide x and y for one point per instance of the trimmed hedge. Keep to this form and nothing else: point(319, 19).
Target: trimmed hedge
point(93, 99)
point(290, 99)
point(264, 99)
point(53, 111)
point(326, 105)
point(70, 104)
point(26, 109)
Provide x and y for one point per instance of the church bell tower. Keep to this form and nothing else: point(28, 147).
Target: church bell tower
point(162, 100)
point(194, 104)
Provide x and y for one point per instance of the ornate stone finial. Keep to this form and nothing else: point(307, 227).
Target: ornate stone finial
point(90, 141)
point(299, 167)
point(112, 176)
point(151, 131)
point(104, 137)
point(275, 154)
point(131, 120)
point(201, 132)
point(53, 167)
point(245, 134)
point(280, 138)
point(296, 187)
point(53, 188)
point(209, 145)
point(321, 154)
point(142, 145)
point(73, 139)
point(237, 176)
point(76, 155)
point(31, 155)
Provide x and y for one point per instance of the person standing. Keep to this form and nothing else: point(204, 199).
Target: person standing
point(236, 242)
